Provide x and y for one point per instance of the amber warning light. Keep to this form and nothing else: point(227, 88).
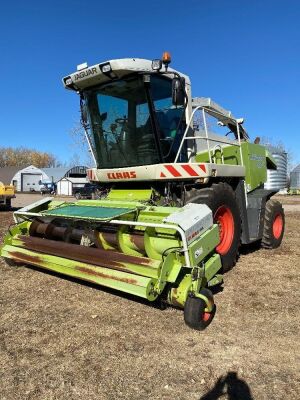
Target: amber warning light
point(166, 59)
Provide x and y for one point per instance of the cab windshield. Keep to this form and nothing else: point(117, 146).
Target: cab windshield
point(132, 121)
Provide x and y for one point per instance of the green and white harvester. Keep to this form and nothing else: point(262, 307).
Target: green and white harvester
point(177, 199)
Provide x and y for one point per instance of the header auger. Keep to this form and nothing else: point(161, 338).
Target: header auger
point(177, 200)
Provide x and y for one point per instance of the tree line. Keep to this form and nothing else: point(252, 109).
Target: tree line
point(23, 156)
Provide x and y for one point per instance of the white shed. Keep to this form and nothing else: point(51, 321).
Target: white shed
point(67, 185)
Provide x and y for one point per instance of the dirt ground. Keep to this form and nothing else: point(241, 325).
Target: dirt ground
point(23, 199)
point(60, 339)
point(288, 199)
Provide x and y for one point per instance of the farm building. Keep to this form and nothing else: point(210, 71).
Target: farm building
point(68, 185)
point(7, 174)
point(30, 179)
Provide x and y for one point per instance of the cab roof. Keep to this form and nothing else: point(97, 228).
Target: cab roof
point(109, 70)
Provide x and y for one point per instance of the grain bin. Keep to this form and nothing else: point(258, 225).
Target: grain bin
point(295, 178)
point(277, 179)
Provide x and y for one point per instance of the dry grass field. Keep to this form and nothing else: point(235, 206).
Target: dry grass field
point(61, 339)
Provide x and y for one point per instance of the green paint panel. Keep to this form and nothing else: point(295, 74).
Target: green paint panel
point(88, 212)
point(177, 296)
point(254, 158)
point(205, 245)
point(255, 162)
point(212, 266)
point(130, 195)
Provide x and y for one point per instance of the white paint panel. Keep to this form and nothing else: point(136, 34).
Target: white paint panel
point(176, 171)
point(194, 219)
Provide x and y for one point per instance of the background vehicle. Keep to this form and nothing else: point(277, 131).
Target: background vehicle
point(47, 188)
point(88, 191)
point(181, 197)
point(7, 192)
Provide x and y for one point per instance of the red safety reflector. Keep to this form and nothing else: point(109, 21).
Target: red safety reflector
point(190, 170)
point(162, 175)
point(173, 171)
point(202, 166)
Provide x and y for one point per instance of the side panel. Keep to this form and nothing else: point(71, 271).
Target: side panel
point(254, 159)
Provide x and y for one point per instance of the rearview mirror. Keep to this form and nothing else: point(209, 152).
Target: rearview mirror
point(178, 91)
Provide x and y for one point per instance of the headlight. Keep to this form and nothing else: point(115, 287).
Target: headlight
point(156, 64)
point(68, 81)
point(105, 68)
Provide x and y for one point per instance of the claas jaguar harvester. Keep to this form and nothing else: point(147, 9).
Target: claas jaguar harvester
point(178, 197)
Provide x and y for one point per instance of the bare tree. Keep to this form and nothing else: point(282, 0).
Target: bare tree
point(82, 153)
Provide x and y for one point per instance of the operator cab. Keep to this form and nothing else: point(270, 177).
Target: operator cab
point(133, 122)
point(134, 116)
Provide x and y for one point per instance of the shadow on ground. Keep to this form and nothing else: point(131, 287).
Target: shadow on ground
point(230, 385)
point(250, 248)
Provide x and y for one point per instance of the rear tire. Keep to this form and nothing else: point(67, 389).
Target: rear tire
point(78, 196)
point(220, 198)
point(274, 224)
point(195, 315)
point(8, 204)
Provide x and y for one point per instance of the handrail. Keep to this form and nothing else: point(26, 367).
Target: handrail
point(185, 133)
point(206, 134)
point(239, 138)
point(165, 226)
point(213, 140)
point(206, 137)
point(136, 223)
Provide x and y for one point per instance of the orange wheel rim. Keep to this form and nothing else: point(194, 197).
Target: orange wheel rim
point(224, 218)
point(206, 316)
point(277, 226)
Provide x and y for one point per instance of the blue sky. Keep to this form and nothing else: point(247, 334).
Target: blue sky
point(243, 54)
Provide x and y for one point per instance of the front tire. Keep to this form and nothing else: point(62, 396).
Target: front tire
point(274, 224)
point(195, 315)
point(220, 198)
